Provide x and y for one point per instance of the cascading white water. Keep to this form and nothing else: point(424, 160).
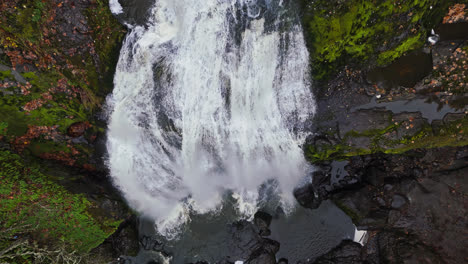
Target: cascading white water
point(210, 96)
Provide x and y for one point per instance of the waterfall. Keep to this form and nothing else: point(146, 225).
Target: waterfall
point(211, 97)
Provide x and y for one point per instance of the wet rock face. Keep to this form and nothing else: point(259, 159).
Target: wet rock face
point(250, 245)
point(356, 116)
point(72, 25)
point(406, 71)
point(413, 203)
point(135, 12)
point(382, 247)
point(262, 221)
point(405, 198)
point(308, 197)
point(346, 252)
point(124, 242)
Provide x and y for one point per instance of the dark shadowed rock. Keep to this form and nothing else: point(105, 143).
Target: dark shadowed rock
point(453, 31)
point(135, 12)
point(413, 204)
point(398, 201)
point(348, 252)
point(263, 220)
point(365, 120)
point(406, 71)
point(283, 261)
point(249, 245)
point(307, 196)
point(124, 242)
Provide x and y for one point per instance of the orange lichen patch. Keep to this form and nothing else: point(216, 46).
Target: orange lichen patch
point(457, 13)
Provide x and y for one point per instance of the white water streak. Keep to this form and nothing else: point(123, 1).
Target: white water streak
point(115, 7)
point(236, 110)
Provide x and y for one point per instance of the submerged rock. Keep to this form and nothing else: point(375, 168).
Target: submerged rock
point(263, 220)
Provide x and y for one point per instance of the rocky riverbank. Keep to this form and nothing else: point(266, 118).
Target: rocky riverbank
point(390, 145)
point(412, 205)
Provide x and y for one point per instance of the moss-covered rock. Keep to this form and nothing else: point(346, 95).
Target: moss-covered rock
point(40, 220)
point(402, 133)
point(366, 32)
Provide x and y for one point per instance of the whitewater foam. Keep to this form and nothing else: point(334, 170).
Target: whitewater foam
point(115, 7)
point(210, 96)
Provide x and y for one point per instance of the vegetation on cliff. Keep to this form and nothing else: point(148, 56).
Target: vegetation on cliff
point(366, 32)
point(57, 61)
point(442, 85)
point(40, 221)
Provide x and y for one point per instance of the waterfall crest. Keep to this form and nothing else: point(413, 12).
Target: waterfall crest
point(210, 96)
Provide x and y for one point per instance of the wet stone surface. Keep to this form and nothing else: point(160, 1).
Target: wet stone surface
point(135, 12)
point(412, 205)
point(406, 71)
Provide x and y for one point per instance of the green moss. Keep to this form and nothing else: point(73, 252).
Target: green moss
point(328, 152)
point(365, 32)
point(3, 128)
point(451, 134)
point(41, 146)
point(5, 74)
point(454, 134)
point(332, 152)
point(42, 82)
point(55, 115)
point(24, 23)
point(16, 120)
point(62, 111)
point(409, 44)
point(34, 206)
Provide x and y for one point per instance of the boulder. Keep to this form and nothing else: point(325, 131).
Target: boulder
point(78, 129)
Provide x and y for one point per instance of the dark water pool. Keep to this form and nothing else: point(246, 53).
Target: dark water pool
point(303, 235)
